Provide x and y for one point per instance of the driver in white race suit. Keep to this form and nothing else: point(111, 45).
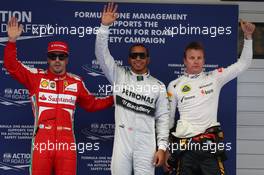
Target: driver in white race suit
point(141, 106)
point(196, 95)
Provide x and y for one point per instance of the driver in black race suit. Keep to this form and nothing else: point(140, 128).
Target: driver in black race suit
point(196, 95)
point(141, 106)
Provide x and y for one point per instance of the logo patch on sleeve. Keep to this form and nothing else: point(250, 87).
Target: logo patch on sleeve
point(220, 70)
point(169, 94)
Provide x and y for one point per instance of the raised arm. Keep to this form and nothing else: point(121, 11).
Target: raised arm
point(17, 70)
point(14, 30)
point(248, 29)
point(102, 52)
point(226, 74)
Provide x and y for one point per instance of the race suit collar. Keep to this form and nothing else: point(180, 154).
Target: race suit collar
point(139, 77)
point(193, 76)
point(54, 76)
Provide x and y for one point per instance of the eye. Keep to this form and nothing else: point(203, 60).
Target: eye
point(200, 58)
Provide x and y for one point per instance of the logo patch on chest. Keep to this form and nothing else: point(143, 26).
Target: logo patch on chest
point(47, 84)
point(57, 98)
point(44, 83)
point(52, 85)
point(206, 92)
point(71, 87)
point(186, 88)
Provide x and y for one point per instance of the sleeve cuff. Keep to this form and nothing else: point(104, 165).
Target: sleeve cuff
point(13, 44)
point(248, 43)
point(104, 30)
point(104, 27)
point(248, 40)
point(163, 147)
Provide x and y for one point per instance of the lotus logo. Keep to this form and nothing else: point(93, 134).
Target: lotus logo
point(186, 88)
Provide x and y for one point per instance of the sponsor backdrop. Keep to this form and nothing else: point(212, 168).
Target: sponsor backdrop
point(164, 28)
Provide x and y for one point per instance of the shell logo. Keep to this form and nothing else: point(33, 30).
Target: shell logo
point(44, 83)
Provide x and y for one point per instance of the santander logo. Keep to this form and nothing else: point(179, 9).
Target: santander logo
point(57, 98)
point(43, 97)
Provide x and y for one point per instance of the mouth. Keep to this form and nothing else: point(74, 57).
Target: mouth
point(57, 66)
point(138, 65)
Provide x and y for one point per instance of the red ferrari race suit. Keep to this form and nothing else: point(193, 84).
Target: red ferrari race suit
point(53, 100)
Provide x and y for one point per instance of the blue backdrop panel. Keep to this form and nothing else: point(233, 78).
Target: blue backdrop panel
point(164, 28)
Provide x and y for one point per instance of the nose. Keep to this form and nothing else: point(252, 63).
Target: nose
point(57, 58)
point(196, 60)
point(138, 57)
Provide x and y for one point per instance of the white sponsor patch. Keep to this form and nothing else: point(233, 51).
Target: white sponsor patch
point(47, 84)
point(71, 87)
point(44, 84)
point(57, 98)
point(52, 85)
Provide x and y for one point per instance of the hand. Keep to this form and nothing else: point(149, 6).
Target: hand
point(109, 14)
point(248, 28)
point(166, 166)
point(13, 29)
point(159, 158)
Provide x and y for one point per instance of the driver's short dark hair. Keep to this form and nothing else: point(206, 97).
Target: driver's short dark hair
point(194, 45)
point(139, 45)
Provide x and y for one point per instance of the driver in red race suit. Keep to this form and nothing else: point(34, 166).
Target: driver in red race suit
point(54, 94)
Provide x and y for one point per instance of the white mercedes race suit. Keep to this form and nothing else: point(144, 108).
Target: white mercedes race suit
point(141, 109)
point(196, 96)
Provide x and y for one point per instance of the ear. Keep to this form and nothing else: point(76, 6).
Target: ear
point(66, 61)
point(148, 60)
point(184, 61)
point(129, 61)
